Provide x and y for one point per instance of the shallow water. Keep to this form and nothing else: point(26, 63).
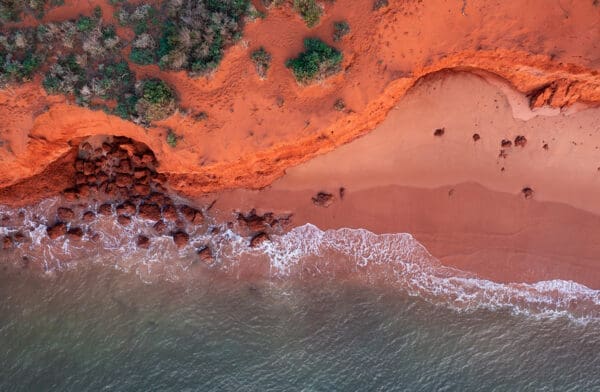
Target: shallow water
point(310, 310)
point(96, 328)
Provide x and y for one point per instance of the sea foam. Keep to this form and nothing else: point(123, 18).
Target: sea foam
point(397, 260)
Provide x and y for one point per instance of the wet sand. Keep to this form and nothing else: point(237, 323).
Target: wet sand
point(462, 199)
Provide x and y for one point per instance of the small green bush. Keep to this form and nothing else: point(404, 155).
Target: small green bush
point(156, 102)
point(340, 29)
point(380, 4)
point(12, 10)
point(317, 62)
point(309, 10)
point(142, 56)
point(85, 24)
point(172, 138)
point(262, 61)
point(156, 91)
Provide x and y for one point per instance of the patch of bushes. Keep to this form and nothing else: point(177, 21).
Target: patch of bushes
point(317, 62)
point(13, 10)
point(262, 61)
point(186, 34)
point(90, 67)
point(19, 56)
point(340, 29)
point(380, 4)
point(339, 105)
point(156, 100)
point(172, 138)
point(309, 10)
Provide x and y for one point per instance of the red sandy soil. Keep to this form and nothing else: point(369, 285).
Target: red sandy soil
point(548, 52)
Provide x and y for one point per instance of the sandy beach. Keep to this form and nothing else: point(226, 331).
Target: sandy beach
point(462, 198)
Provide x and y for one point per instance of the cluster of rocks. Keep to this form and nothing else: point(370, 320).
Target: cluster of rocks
point(9, 241)
point(258, 227)
point(118, 178)
point(121, 177)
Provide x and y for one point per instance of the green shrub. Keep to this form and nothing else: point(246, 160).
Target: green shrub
point(142, 56)
point(64, 77)
point(156, 91)
point(97, 12)
point(12, 10)
point(262, 61)
point(188, 34)
point(309, 10)
point(317, 62)
point(380, 4)
point(156, 100)
point(172, 138)
point(85, 24)
point(340, 29)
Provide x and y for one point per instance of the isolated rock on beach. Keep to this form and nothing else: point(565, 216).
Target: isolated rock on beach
point(323, 199)
point(258, 239)
point(143, 242)
point(205, 255)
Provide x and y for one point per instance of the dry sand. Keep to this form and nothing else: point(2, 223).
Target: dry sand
point(458, 196)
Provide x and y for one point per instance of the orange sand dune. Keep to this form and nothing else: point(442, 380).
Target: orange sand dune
point(258, 128)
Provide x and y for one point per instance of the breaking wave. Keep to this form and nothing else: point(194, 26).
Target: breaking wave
point(397, 260)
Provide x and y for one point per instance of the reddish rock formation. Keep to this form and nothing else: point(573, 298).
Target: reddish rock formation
point(124, 180)
point(149, 211)
point(105, 209)
point(323, 199)
point(205, 255)
point(126, 208)
point(143, 242)
point(57, 230)
point(180, 238)
point(65, 214)
point(160, 227)
point(75, 233)
point(192, 215)
point(124, 220)
point(7, 243)
point(170, 213)
point(88, 216)
point(258, 239)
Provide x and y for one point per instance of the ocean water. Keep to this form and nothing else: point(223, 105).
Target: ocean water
point(97, 328)
point(312, 310)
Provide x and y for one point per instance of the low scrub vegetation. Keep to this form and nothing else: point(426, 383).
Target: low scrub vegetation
point(185, 34)
point(14, 10)
point(340, 29)
point(156, 100)
point(309, 10)
point(262, 61)
point(317, 62)
point(89, 68)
